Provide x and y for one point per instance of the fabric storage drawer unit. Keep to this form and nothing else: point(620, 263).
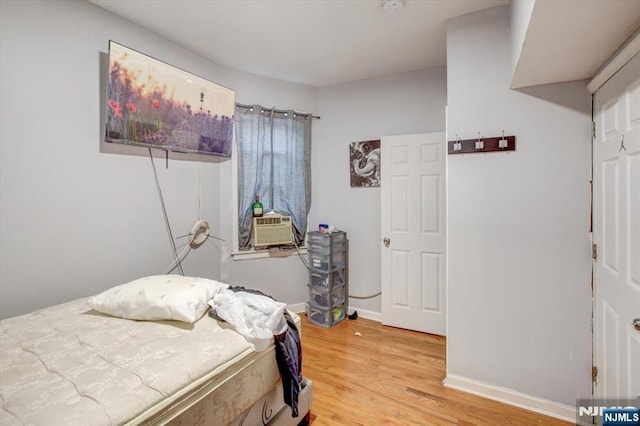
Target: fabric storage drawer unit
point(326, 317)
point(338, 247)
point(326, 262)
point(324, 298)
point(325, 239)
point(328, 276)
point(328, 279)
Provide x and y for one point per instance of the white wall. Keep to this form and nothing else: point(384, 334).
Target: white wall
point(405, 103)
point(519, 17)
point(519, 249)
point(76, 218)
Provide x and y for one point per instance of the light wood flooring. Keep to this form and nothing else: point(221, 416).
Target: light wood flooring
point(391, 376)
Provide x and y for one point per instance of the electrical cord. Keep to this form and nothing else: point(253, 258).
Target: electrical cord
point(166, 217)
point(182, 256)
point(192, 241)
point(208, 237)
point(211, 242)
point(365, 297)
point(295, 243)
point(199, 233)
point(199, 187)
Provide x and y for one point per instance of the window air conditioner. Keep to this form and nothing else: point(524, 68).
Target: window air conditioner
point(271, 230)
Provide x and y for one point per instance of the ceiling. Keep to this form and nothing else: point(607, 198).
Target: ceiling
point(327, 42)
point(571, 39)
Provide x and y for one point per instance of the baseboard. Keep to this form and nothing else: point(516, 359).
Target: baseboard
point(300, 308)
point(297, 308)
point(363, 313)
point(508, 396)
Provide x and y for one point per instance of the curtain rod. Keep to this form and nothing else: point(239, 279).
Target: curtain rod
point(281, 111)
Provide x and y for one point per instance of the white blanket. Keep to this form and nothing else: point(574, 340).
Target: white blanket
point(255, 316)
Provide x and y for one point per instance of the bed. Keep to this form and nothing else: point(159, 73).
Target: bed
point(70, 364)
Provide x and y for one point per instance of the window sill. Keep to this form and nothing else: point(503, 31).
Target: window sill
point(264, 253)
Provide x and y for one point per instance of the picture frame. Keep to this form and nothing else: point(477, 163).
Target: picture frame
point(153, 104)
point(364, 163)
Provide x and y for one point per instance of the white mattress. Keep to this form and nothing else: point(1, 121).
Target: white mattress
point(70, 365)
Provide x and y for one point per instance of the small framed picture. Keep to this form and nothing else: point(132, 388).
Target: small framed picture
point(364, 163)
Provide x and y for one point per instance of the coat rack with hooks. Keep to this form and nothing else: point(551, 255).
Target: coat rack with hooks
point(482, 144)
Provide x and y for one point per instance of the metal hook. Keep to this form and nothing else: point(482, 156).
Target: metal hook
point(479, 142)
point(622, 147)
point(503, 143)
point(457, 145)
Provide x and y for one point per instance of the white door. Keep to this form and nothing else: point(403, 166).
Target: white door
point(413, 232)
point(617, 233)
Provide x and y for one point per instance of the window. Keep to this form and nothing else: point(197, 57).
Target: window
point(274, 162)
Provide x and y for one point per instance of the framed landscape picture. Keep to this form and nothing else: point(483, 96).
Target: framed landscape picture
point(153, 104)
point(364, 163)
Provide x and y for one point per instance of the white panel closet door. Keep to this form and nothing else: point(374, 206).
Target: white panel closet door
point(413, 220)
point(617, 233)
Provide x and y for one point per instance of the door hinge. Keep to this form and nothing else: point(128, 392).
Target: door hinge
point(594, 374)
point(593, 129)
point(594, 251)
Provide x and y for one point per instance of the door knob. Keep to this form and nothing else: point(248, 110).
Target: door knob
point(386, 242)
point(636, 324)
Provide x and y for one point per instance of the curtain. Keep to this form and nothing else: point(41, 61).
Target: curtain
point(274, 162)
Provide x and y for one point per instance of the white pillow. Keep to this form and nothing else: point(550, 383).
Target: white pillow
point(159, 297)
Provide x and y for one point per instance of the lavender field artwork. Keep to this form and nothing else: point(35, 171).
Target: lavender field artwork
point(150, 103)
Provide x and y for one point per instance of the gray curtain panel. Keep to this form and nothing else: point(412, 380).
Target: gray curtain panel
point(274, 162)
